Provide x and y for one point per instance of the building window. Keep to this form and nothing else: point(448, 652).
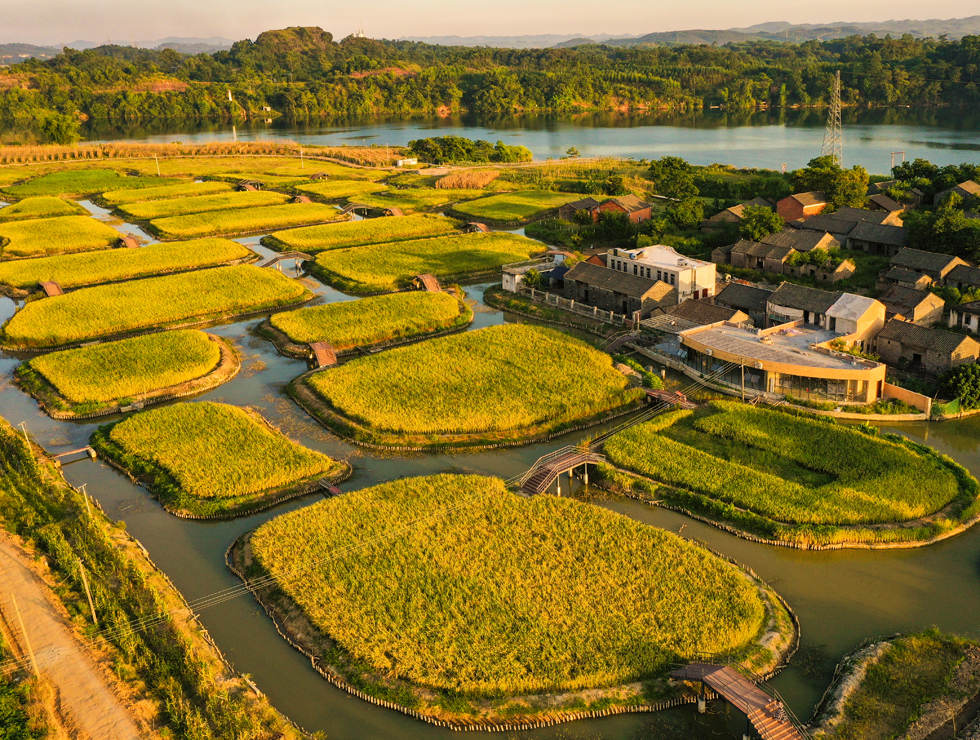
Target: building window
point(672, 279)
point(659, 277)
point(634, 269)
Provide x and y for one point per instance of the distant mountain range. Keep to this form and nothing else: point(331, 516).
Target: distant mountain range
point(10, 53)
point(541, 41)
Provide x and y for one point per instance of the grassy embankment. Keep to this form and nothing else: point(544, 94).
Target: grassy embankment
point(24, 713)
point(163, 192)
point(40, 207)
point(340, 189)
point(177, 677)
point(494, 385)
point(242, 220)
point(146, 211)
point(89, 379)
point(58, 235)
point(210, 459)
point(168, 301)
point(386, 267)
point(512, 207)
point(798, 480)
point(93, 268)
point(503, 596)
point(374, 320)
point(81, 182)
point(314, 239)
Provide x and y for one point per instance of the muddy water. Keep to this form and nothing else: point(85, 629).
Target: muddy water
point(840, 598)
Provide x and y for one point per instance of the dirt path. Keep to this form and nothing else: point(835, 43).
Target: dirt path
point(91, 708)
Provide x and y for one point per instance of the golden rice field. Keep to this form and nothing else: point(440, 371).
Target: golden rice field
point(415, 199)
point(514, 206)
point(243, 220)
point(130, 367)
point(384, 267)
point(211, 458)
point(161, 192)
point(45, 206)
point(372, 320)
point(357, 233)
point(145, 211)
point(82, 182)
point(502, 379)
point(484, 592)
point(58, 235)
point(92, 268)
point(108, 310)
point(340, 189)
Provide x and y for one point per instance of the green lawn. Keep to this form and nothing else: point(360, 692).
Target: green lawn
point(515, 206)
point(340, 189)
point(40, 207)
point(199, 204)
point(63, 234)
point(357, 233)
point(182, 190)
point(243, 220)
point(82, 182)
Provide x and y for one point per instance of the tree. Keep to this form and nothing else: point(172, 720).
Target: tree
point(615, 185)
point(842, 187)
point(962, 382)
point(687, 214)
point(572, 152)
point(946, 230)
point(673, 177)
point(758, 222)
point(532, 278)
point(59, 128)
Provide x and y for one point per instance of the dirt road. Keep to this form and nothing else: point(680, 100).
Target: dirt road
point(91, 709)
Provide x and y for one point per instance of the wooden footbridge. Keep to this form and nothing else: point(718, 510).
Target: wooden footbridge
point(301, 256)
point(324, 354)
point(351, 207)
point(87, 450)
point(549, 468)
point(766, 713)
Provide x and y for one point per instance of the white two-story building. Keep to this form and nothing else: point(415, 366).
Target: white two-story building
point(692, 278)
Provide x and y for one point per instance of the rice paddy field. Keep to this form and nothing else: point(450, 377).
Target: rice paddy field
point(504, 595)
point(517, 206)
point(314, 239)
point(128, 368)
point(45, 206)
point(373, 320)
point(272, 180)
point(171, 300)
point(161, 192)
point(416, 199)
point(340, 189)
point(242, 220)
point(207, 459)
point(496, 383)
point(82, 182)
point(199, 204)
point(796, 472)
point(385, 267)
point(63, 234)
point(93, 268)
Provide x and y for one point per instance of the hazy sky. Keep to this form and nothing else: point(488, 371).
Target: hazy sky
point(62, 21)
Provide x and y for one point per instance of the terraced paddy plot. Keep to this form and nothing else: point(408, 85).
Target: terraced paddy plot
point(266, 178)
point(357, 233)
point(243, 220)
point(199, 204)
point(416, 199)
point(82, 182)
point(60, 235)
point(503, 595)
point(93, 268)
point(207, 459)
point(373, 320)
point(180, 190)
point(40, 207)
point(797, 477)
point(384, 267)
point(514, 206)
point(499, 383)
point(340, 189)
point(171, 300)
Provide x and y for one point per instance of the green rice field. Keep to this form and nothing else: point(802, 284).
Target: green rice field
point(386, 267)
point(59, 235)
point(211, 458)
point(415, 199)
point(515, 206)
point(269, 179)
point(92, 268)
point(492, 383)
point(199, 204)
point(340, 189)
point(108, 310)
point(372, 320)
point(314, 239)
point(161, 192)
point(82, 182)
point(243, 220)
point(45, 206)
point(491, 593)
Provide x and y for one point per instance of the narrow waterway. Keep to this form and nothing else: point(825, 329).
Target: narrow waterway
point(841, 598)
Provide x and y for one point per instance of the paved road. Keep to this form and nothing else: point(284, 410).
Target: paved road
point(91, 707)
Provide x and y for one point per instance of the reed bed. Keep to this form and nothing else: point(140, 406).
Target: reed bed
point(504, 595)
point(243, 220)
point(467, 179)
point(58, 235)
point(123, 150)
point(162, 192)
point(82, 182)
point(199, 204)
point(517, 206)
point(40, 207)
point(357, 233)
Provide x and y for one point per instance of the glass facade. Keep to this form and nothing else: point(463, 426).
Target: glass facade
point(819, 389)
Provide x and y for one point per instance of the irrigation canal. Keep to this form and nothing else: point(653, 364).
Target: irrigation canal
point(841, 598)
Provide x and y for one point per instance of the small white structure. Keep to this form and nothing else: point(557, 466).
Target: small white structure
point(513, 274)
point(406, 162)
point(692, 278)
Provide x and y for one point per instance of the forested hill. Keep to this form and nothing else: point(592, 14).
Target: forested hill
point(301, 72)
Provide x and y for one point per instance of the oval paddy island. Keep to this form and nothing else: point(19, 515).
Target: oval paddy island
point(128, 374)
point(57, 235)
point(47, 206)
point(315, 239)
point(448, 619)
point(209, 460)
point(241, 221)
point(112, 198)
point(498, 390)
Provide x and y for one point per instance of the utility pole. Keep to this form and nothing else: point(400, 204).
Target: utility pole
point(742, 362)
point(88, 507)
point(833, 140)
point(893, 158)
point(301, 164)
point(23, 427)
point(158, 164)
point(88, 593)
point(27, 640)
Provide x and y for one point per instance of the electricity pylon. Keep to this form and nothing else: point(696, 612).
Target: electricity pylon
point(833, 139)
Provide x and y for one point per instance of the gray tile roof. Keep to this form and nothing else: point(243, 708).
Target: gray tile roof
point(616, 281)
point(972, 308)
point(701, 312)
point(901, 275)
point(919, 337)
point(883, 201)
point(585, 204)
point(765, 251)
point(803, 298)
point(880, 234)
point(629, 203)
point(813, 198)
point(828, 222)
point(964, 274)
point(898, 299)
point(744, 297)
point(917, 260)
point(801, 241)
point(860, 215)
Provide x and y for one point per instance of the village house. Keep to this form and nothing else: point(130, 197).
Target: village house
point(964, 278)
point(551, 268)
point(616, 291)
point(907, 304)
point(921, 350)
point(856, 317)
point(589, 205)
point(791, 239)
point(882, 202)
point(801, 205)
point(733, 215)
point(871, 231)
point(904, 278)
point(702, 312)
point(966, 190)
point(746, 298)
point(965, 316)
point(635, 209)
point(883, 239)
point(775, 255)
point(692, 278)
point(935, 265)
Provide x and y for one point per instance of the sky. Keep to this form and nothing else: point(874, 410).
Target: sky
point(49, 22)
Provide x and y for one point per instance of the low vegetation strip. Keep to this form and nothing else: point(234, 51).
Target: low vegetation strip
point(340, 189)
point(171, 300)
point(494, 384)
point(357, 233)
point(40, 207)
point(373, 320)
point(93, 268)
point(505, 595)
point(206, 459)
point(55, 236)
point(416, 199)
point(161, 192)
point(199, 204)
point(517, 206)
point(242, 220)
point(385, 267)
point(82, 182)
